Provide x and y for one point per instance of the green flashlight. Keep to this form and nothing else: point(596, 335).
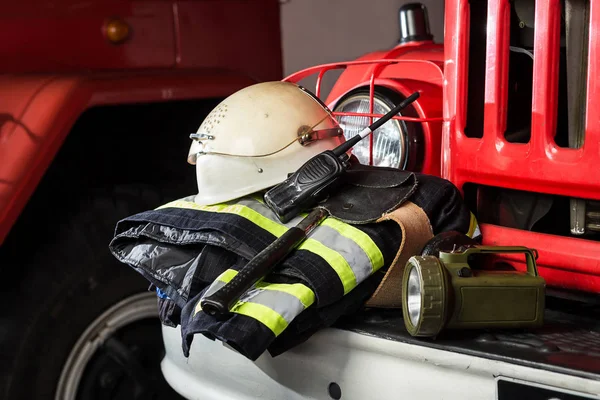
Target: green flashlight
point(446, 292)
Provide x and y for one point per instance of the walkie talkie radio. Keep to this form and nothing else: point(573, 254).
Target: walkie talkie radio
point(317, 176)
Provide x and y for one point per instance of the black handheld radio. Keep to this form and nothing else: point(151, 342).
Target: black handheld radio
point(319, 175)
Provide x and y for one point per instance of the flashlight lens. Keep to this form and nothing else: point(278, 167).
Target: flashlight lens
point(414, 296)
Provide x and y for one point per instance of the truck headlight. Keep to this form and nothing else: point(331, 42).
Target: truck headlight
point(394, 144)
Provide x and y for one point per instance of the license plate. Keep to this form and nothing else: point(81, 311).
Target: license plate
point(510, 389)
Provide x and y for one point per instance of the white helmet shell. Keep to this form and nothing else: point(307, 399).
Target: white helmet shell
point(254, 138)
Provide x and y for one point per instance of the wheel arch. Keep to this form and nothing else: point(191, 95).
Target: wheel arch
point(38, 114)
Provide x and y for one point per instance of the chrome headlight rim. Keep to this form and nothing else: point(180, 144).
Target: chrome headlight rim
point(380, 102)
point(411, 134)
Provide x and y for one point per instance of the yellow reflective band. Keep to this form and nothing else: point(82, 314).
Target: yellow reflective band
point(335, 260)
point(237, 209)
point(258, 198)
point(227, 275)
point(472, 226)
point(298, 290)
point(360, 238)
point(263, 314)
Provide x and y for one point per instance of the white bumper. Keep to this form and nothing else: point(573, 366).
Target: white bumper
point(364, 367)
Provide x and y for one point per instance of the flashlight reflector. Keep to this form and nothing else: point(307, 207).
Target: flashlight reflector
point(414, 296)
point(424, 289)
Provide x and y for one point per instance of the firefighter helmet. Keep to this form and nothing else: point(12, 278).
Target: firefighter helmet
point(256, 136)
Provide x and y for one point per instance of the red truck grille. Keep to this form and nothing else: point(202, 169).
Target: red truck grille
point(536, 163)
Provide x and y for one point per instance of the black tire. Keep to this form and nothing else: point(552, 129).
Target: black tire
point(59, 277)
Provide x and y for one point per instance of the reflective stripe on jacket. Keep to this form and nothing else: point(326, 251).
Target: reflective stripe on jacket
point(183, 248)
point(348, 251)
point(274, 305)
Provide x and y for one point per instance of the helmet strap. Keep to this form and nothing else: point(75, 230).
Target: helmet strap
point(306, 138)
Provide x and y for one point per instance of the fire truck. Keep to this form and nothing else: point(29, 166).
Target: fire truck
point(92, 92)
point(508, 113)
point(97, 101)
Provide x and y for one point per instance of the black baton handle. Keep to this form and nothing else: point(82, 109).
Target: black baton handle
point(219, 303)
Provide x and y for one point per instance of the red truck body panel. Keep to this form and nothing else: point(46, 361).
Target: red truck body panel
point(69, 35)
point(57, 62)
point(237, 35)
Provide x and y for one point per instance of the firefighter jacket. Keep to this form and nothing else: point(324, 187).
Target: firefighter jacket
point(188, 251)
